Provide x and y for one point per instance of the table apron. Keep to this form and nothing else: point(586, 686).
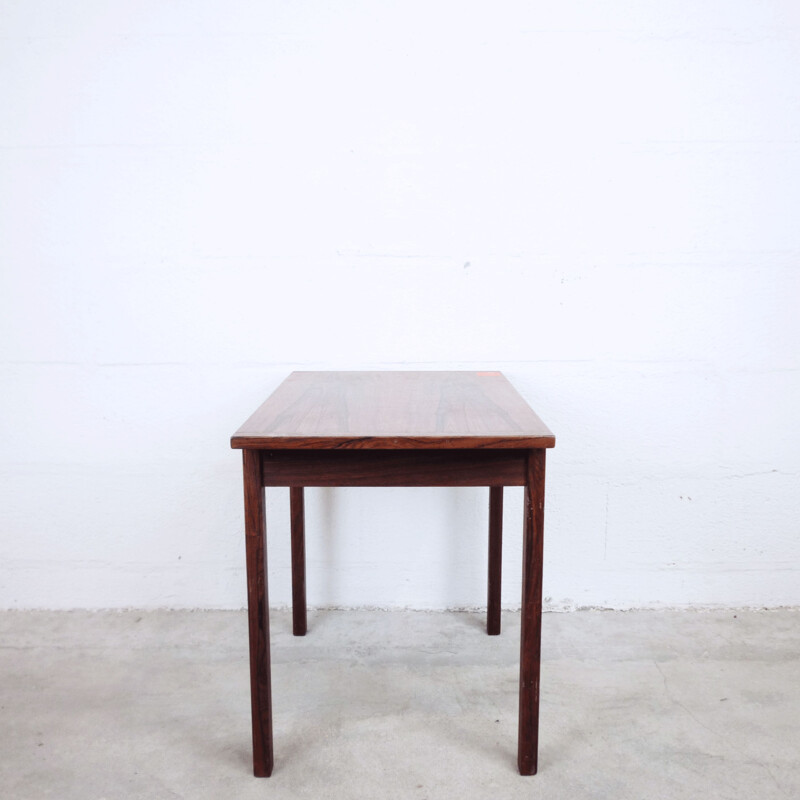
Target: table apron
point(394, 467)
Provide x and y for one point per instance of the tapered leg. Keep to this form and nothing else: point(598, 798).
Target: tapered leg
point(495, 559)
point(530, 646)
point(299, 625)
point(258, 613)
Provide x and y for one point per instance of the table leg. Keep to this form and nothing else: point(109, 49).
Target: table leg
point(258, 613)
point(299, 624)
point(530, 645)
point(495, 559)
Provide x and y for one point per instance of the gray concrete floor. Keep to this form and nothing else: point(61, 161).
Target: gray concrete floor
point(416, 705)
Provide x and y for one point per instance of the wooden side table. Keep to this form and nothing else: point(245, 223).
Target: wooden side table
point(394, 429)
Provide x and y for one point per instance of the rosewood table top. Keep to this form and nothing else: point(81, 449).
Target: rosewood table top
point(394, 411)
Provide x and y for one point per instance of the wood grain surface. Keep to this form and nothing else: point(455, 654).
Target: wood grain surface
point(531, 623)
point(495, 572)
point(394, 411)
point(393, 467)
point(298, 528)
point(255, 521)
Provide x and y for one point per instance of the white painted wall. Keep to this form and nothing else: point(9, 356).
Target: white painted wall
point(600, 199)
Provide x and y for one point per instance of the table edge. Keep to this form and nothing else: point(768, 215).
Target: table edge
point(403, 442)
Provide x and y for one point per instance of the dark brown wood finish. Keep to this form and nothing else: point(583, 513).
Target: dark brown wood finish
point(298, 525)
point(495, 559)
point(258, 613)
point(393, 468)
point(531, 634)
point(394, 429)
point(394, 411)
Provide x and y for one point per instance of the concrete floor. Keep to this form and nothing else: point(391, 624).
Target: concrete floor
point(400, 705)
